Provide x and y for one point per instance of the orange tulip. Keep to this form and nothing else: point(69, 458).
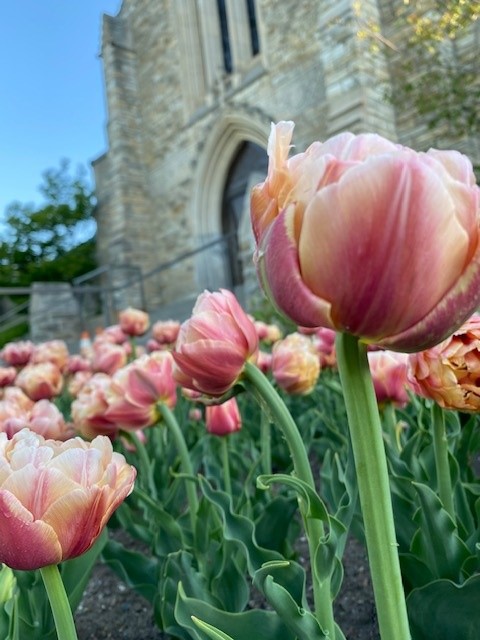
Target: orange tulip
point(450, 372)
point(56, 497)
point(295, 364)
point(367, 237)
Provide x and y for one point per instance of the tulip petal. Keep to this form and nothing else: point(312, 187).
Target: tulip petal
point(25, 543)
point(278, 270)
point(350, 250)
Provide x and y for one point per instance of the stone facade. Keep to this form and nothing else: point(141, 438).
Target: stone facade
point(189, 111)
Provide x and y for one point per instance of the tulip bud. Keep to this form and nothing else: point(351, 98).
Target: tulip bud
point(223, 419)
point(214, 344)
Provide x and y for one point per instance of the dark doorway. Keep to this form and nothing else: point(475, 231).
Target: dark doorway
point(250, 159)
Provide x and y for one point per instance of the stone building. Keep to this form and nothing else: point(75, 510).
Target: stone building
point(191, 89)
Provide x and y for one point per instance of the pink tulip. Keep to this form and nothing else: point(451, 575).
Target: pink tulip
point(7, 376)
point(166, 331)
point(365, 236)
point(40, 381)
point(268, 333)
point(77, 381)
point(17, 354)
point(295, 364)
point(113, 334)
point(223, 419)
point(389, 373)
point(18, 397)
point(43, 418)
point(264, 361)
point(56, 497)
point(89, 408)
point(77, 363)
point(214, 344)
point(55, 351)
point(134, 322)
point(450, 372)
point(108, 357)
point(136, 390)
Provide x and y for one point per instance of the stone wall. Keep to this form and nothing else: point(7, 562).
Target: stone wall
point(177, 118)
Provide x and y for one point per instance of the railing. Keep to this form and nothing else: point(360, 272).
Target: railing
point(98, 292)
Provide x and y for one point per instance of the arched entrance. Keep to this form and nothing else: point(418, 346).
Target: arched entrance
point(249, 163)
point(233, 159)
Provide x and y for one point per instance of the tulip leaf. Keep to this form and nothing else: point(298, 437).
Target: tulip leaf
point(273, 525)
point(314, 506)
point(238, 528)
point(211, 631)
point(134, 568)
point(445, 611)
point(436, 542)
point(258, 624)
point(177, 568)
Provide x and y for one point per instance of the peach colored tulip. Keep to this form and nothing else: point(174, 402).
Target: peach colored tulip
point(55, 351)
point(7, 376)
point(214, 344)
point(113, 333)
point(389, 374)
point(40, 381)
point(17, 397)
point(450, 372)
point(134, 322)
point(43, 418)
point(17, 354)
point(89, 407)
point(56, 497)
point(108, 357)
point(295, 364)
point(365, 236)
point(77, 381)
point(223, 419)
point(77, 363)
point(166, 331)
point(268, 333)
point(137, 388)
point(264, 361)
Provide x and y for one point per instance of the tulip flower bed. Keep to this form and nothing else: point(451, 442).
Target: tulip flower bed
point(238, 464)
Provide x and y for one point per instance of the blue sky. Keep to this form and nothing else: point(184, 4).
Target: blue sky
point(52, 103)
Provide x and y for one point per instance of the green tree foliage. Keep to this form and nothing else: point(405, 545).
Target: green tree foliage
point(434, 53)
point(53, 242)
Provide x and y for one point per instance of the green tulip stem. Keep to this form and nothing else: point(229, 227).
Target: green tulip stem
point(266, 443)
point(373, 486)
point(185, 462)
point(281, 417)
point(390, 422)
point(143, 459)
point(62, 612)
point(440, 448)
point(227, 482)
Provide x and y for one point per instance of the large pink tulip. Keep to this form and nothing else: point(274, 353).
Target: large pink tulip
point(56, 497)
point(55, 351)
point(214, 344)
point(449, 373)
point(365, 236)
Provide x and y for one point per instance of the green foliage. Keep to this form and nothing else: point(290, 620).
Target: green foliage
point(433, 73)
point(49, 243)
point(8, 335)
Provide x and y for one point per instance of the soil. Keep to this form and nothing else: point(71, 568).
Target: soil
point(110, 610)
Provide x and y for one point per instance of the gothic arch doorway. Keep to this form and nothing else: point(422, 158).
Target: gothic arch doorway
point(248, 164)
point(233, 159)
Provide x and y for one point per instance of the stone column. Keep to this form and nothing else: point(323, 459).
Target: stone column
point(54, 312)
